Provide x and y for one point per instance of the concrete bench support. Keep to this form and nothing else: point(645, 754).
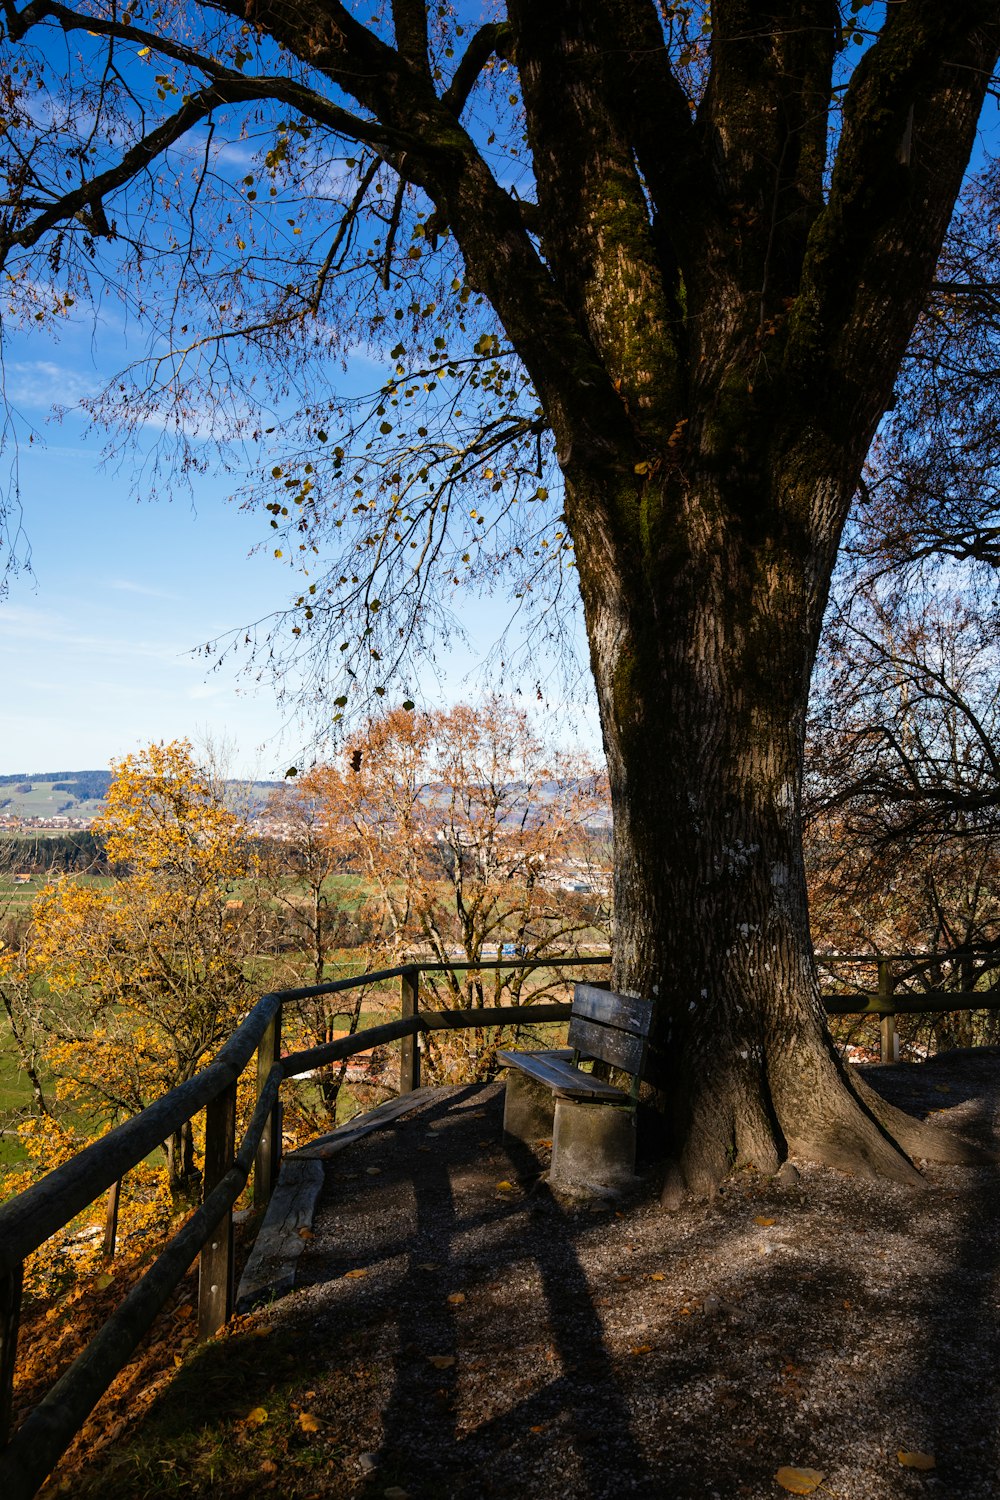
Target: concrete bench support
point(593, 1147)
point(528, 1108)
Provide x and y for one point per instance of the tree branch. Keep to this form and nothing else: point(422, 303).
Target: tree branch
point(485, 42)
point(873, 250)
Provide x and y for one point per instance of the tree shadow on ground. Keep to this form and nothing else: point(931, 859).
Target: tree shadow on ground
point(459, 1333)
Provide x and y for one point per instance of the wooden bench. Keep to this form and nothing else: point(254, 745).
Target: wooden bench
point(591, 1122)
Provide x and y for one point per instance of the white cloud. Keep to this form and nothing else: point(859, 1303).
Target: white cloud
point(126, 586)
point(39, 625)
point(42, 383)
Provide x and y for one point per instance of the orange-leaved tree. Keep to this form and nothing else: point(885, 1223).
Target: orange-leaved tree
point(476, 840)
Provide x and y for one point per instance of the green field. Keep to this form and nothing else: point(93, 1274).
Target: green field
point(16, 896)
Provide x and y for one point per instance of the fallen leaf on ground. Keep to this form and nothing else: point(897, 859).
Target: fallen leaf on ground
point(764, 1223)
point(104, 1280)
point(916, 1460)
point(657, 1276)
point(505, 1186)
point(257, 1417)
point(269, 1466)
point(641, 1349)
point(306, 1234)
point(456, 1299)
point(373, 1171)
point(441, 1361)
point(308, 1422)
point(353, 1275)
point(799, 1481)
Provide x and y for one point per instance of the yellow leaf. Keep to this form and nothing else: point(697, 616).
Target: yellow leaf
point(104, 1280)
point(269, 1466)
point(764, 1223)
point(354, 1275)
point(456, 1299)
point(506, 1187)
point(657, 1276)
point(799, 1481)
point(143, 52)
point(642, 468)
point(257, 1417)
point(441, 1361)
point(641, 1349)
point(308, 1422)
point(916, 1460)
point(306, 1234)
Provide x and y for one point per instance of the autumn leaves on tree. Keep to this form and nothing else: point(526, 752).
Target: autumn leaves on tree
point(434, 837)
point(644, 291)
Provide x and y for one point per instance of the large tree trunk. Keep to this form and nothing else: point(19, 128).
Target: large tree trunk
point(702, 668)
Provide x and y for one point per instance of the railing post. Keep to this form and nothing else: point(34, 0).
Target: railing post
point(887, 1021)
point(215, 1269)
point(111, 1220)
point(268, 1157)
point(409, 1050)
point(10, 1317)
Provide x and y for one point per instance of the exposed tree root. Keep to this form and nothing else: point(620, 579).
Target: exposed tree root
point(832, 1119)
point(918, 1138)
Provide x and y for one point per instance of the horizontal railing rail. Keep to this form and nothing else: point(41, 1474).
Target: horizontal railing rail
point(51, 1204)
point(888, 1001)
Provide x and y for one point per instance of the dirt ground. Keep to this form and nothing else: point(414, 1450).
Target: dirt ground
point(458, 1332)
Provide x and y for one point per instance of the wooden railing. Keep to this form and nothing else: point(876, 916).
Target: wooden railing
point(28, 1220)
point(888, 1001)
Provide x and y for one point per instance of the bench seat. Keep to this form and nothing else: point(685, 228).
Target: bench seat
point(555, 1069)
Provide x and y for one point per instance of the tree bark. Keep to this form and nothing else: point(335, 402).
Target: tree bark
point(702, 661)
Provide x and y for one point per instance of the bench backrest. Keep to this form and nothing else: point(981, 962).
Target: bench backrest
point(609, 1027)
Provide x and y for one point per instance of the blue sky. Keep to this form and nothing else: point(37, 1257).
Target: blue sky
point(100, 643)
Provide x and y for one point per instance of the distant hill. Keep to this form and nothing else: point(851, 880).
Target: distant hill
point(75, 796)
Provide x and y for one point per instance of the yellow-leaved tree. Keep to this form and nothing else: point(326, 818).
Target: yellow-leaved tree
point(146, 974)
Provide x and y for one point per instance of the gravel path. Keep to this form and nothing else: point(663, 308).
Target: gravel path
point(467, 1335)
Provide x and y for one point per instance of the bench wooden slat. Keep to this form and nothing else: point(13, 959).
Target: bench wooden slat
point(559, 1074)
point(619, 1048)
point(626, 1012)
